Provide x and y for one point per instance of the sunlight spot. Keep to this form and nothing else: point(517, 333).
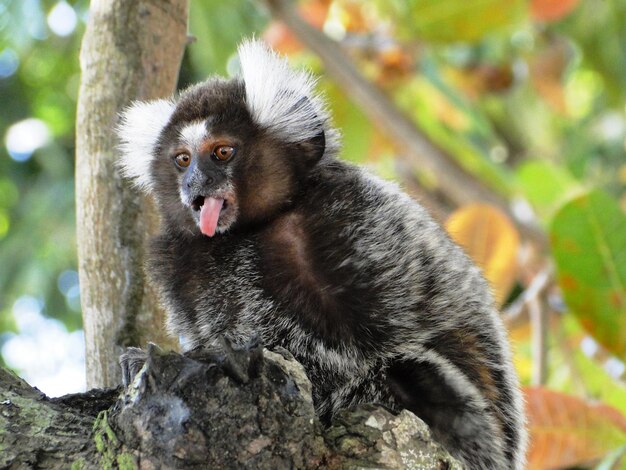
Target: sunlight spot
point(27, 313)
point(67, 280)
point(33, 19)
point(9, 62)
point(589, 346)
point(522, 210)
point(581, 90)
point(62, 19)
point(43, 351)
point(73, 298)
point(614, 367)
point(499, 153)
point(610, 126)
point(26, 136)
point(335, 29)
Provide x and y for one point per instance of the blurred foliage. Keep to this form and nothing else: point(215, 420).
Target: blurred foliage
point(39, 77)
point(529, 96)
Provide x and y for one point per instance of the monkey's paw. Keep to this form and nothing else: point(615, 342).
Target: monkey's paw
point(240, 363)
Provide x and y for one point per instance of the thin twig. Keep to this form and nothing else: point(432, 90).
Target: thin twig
point(512, 316)
point(539, 340)
point(569, 352)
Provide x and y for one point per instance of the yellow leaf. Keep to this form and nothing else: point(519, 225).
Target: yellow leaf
point(491, 240)
point(519, 337)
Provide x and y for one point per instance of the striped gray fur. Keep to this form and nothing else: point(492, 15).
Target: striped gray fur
point(319, 256)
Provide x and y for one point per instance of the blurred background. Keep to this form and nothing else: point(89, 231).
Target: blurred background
point(527, 96)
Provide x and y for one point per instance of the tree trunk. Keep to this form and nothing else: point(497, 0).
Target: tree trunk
point(132, 49)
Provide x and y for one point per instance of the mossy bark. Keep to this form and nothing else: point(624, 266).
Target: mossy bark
point(36, 432)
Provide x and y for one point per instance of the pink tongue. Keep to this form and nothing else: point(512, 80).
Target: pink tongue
point(209, 213)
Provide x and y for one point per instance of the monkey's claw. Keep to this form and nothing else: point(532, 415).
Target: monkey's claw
point(131, 362)
point(240, 363)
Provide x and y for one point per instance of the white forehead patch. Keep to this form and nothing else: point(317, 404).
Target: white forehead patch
point(139, 129)
point(192, 135)
point(279, 98)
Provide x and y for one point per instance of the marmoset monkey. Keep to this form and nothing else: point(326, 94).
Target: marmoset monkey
point(266, 232)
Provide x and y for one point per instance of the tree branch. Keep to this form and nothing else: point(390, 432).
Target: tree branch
point(218, 409)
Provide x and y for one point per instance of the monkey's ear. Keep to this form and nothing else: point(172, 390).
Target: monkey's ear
point(139, 130)
point(312, 150)
point(280, 99)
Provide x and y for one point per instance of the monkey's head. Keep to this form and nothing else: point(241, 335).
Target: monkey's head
point(228, 153)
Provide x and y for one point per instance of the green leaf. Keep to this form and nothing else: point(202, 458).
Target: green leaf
point(452, 20)
point(219, 27)
point(615, 460)
point(599, 29)
point(545, 185)
point(356, 129)
point(588, 238)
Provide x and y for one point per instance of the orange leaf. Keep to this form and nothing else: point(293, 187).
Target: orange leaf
point(394, 63)
point(491, 240)
point(551, 10)
point(353, 17)
point(315, 12)
point(477, 79)
point(566, 431)
point(280, 37)
point(546, 74)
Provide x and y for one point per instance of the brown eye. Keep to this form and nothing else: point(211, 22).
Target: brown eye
point(183, 160)
point(223, 152)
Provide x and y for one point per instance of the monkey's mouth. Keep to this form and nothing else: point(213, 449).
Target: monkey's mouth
point(214, 213)
point(198, 202)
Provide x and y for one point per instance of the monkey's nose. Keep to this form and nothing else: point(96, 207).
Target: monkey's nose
point(208, 180)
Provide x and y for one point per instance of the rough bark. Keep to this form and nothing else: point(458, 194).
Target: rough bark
point(36, 432)
point(225, 409)
point(131, 50)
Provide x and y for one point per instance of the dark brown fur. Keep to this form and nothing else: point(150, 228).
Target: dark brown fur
point(335, 265)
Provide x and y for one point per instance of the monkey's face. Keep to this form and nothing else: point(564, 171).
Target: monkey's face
point(228, 153)
point(205, 186)
point(208, 141)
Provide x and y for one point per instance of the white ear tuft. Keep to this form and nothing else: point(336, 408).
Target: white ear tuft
point(139, 130)
point(278, 97)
